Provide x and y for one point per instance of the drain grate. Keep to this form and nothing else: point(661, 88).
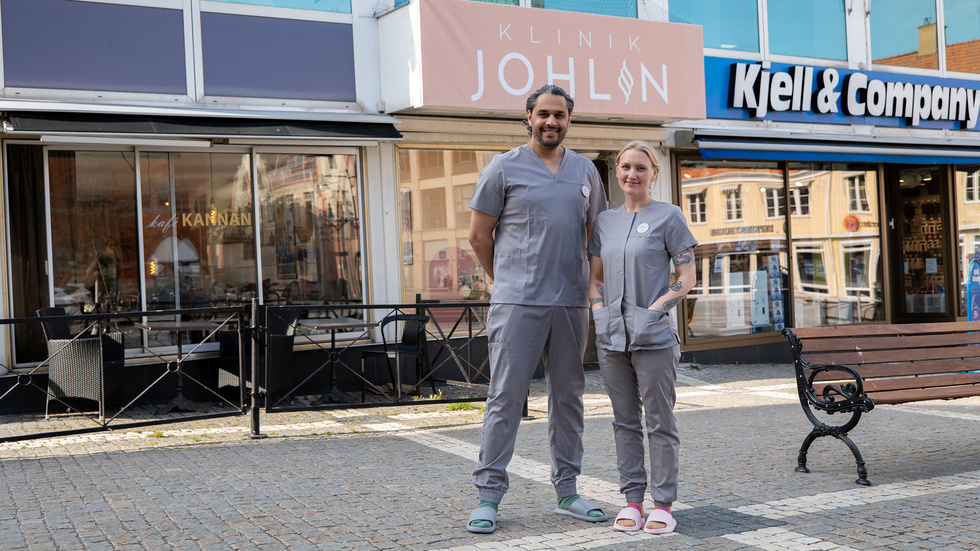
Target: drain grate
point(687, 357)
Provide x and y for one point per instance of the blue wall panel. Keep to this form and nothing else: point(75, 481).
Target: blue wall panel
point(70, 45)
point(260, 57)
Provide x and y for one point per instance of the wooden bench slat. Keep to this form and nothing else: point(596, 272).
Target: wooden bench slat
point(841, 344)
point(912, 383)
point(854, 359)
point(902, 396)
point(905, 369)
point(806, 333)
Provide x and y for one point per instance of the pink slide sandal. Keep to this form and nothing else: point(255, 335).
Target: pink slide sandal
point(629, 513)
point(662, 516)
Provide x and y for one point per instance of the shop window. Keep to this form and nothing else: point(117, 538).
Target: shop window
point(320, 262)
point(404, 166)
point(811, 270)
point(433, 209)
point(856, 262)
point(741, 267)
point(904, 33)
point(857, 193)
point(971, 187)
point(198, 232)
point(697, 207)
point(464, 162)
point(836, 272)
point(726, 24)
point(733, 204)
point(431, 164)
point(438, 262)
point(962, 30)
point(775, 202)
point(815, 28)
point(405, 205)
point(461, 199)
point(800, 194)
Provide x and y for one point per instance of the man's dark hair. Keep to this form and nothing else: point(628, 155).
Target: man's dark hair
point(532, 101)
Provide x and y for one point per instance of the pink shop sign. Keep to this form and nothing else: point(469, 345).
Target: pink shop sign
point(487, 56)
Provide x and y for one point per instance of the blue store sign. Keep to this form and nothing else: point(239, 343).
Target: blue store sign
point(750, 90)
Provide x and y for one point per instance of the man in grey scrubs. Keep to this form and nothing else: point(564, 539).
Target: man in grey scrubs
point(532, 213)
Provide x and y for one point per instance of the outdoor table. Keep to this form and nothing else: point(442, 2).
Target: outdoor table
point(176, 327)
point(333, 325)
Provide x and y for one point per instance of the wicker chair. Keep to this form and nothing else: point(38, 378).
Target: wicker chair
point(77, 367)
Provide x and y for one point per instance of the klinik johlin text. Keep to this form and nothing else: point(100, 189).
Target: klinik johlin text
point(582, 39)
point(825, 92)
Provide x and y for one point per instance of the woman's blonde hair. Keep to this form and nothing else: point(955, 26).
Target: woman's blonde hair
point(641, 146)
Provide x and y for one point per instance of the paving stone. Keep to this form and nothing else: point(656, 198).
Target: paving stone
point(399, 478)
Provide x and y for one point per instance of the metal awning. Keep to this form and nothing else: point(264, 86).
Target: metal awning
point(102, 124)
point(774, 149)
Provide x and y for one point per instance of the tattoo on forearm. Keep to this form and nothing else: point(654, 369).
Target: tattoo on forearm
point(595, 300)
point(676, 285)
point(684, 257)
point(671, 303)
point(601, 289)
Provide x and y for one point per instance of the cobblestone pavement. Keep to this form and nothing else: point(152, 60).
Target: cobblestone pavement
point(399, 478)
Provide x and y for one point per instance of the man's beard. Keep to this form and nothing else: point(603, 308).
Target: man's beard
point(549, 143)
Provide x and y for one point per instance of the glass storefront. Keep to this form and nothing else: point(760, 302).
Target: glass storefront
point(310, 229)
point(198, 234)
point(435, 189)
point(734, 210)
point(749, 279)
point(834, 223)
point(199, 245)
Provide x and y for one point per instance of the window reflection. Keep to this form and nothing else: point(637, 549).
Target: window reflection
point(741, 267)
point(810, 29)
point(310, 240)
point(836, 269)
point(444, 267)
point(726, 24)
point(198, 234)
point(93, 231)
point(962, 21)
point(904, 34)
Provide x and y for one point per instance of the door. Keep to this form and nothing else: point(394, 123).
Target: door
point(922, 281)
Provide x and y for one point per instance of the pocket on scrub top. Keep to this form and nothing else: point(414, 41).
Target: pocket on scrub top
point(601, 318)
point(650, 327)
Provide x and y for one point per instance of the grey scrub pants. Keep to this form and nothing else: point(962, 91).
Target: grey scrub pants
point(518, 337)
point(644, 379)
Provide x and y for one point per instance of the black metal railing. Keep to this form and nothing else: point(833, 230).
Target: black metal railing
point(193, 364)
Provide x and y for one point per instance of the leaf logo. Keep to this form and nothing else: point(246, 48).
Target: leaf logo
point(625, 81)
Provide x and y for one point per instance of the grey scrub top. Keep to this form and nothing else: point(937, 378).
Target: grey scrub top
point(539, 254)
point(635, 249)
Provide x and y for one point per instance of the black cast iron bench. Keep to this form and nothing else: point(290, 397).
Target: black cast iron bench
point(848, 370)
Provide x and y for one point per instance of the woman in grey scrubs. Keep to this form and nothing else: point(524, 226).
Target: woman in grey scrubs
point(631, 294)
